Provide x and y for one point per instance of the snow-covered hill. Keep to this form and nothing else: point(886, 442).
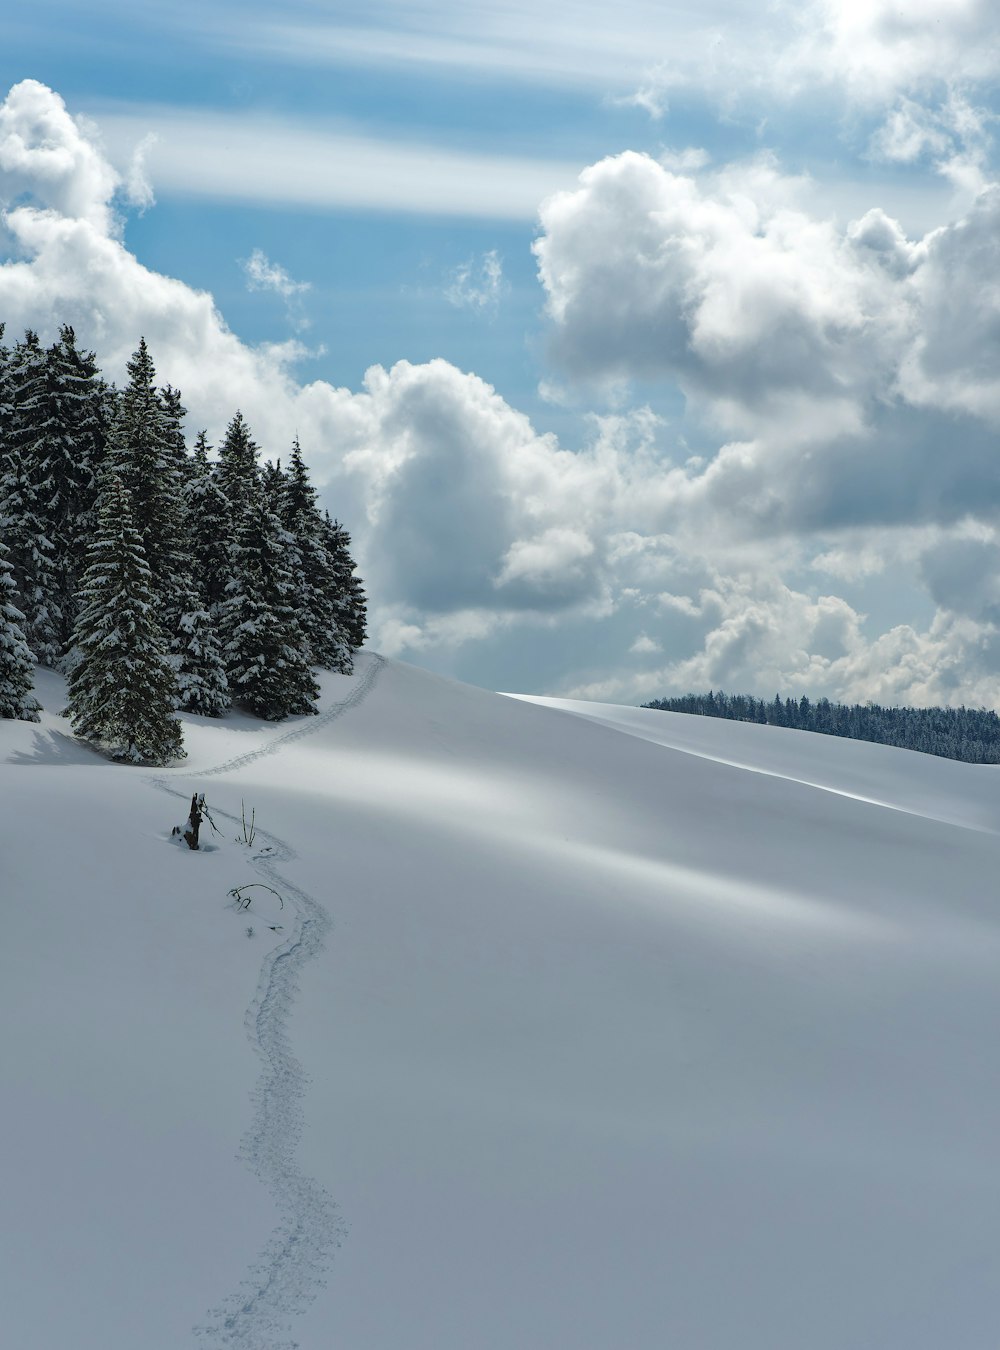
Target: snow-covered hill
point(582, 1027)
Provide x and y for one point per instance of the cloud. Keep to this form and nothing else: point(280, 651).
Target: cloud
point(46, 158)
point(264, 275)
point(835, 360)
point(879, 48)
point(854, 370)
point(728, 285)
point(251, 157)
point(138, 188)
point(871, 50)
point(477, 286)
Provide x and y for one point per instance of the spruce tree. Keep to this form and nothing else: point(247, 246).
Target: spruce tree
point(200, 671)
point(143, 452)
point(318, 596)
point(348, 587)
point(238, 472)
point(122, 688)
point(17, 668)
point(25, 491)
point(75, 436)
point(209, 526)
point(265, 649)
point(273, 482)
point(6, 404)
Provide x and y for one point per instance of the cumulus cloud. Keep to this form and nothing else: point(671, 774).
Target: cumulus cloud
point(836, 359)
point(46, 158)
point(879, 47)
point(733, 289)
point(843, 362)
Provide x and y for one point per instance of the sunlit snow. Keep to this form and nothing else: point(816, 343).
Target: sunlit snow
point(580, 1027)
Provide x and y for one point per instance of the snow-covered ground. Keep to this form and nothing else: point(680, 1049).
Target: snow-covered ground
point(583, 1027)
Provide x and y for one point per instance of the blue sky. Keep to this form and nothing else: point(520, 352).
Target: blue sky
point(721, 413)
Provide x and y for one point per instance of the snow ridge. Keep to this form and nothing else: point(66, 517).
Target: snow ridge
point(291, 1269)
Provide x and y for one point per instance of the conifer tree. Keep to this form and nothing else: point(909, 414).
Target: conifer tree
point(173, 413)
point(17, 668)
point(238, 471)
point(200, 671)
point(143, 451)
point(315, 570)
point(208, 526)
point(349, 588)
point(265, 650)
point(147, 447)
point(122, 686)
point(273, 482)
point(25, 489)
point(6, 406)
point(75, 436)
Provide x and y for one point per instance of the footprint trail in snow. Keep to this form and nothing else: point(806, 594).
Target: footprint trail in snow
point(292, 1268)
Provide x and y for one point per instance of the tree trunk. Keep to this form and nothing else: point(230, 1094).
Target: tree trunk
point(194, 821)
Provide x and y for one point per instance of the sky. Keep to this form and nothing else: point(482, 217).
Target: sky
point(642, 349)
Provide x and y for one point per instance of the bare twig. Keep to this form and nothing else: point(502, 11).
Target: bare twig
point(205, 813)
point(248, 830)
point(243, 901)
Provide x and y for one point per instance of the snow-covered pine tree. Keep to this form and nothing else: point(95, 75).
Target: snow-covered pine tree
point(195, 650)
point(25, 490)
point(264, 646)
point(175, 446)
point(143, 452)
point(196, 654)
point(122, 686)
point(272, 485)
point(6, 408)
point(75, 438)
point(208, 525)
point(238, 470)
point(6, 411)
point(317, 582)
point(17, 666)
point(350, 589)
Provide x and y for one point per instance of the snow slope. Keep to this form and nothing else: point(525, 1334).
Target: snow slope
point(584, 1027)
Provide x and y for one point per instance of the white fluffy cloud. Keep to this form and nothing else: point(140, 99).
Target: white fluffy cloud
point(44, 154)
point(840, 360)
point(878, 48)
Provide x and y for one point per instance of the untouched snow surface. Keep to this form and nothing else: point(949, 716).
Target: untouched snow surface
point(582, 1027)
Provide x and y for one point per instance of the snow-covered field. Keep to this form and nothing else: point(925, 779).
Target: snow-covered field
point(583, 1028)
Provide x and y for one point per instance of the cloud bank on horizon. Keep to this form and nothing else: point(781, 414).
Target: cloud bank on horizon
point(840, 384)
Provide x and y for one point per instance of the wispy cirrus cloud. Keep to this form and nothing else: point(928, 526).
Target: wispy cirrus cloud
point(638, 52)
point(477, 285)
point(200, 152)
point(264, 275)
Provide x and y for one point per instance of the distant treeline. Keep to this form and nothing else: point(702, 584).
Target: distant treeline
point(968, 734)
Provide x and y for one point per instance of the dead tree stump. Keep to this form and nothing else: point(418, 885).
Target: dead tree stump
point(193, 824)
